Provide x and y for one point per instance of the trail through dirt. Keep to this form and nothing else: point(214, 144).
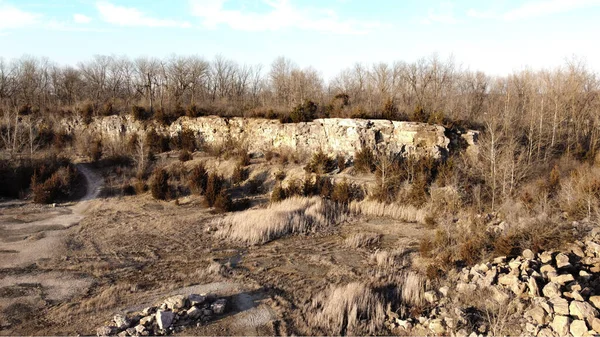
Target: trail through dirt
point(31, 234)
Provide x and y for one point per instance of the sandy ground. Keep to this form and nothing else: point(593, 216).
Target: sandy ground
point(69, 269)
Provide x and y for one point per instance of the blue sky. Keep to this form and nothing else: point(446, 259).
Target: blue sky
point(496, 36)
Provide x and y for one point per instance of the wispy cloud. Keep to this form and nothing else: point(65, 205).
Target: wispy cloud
point(533, 9)
point(80, 18)
point(280, 14)
point(131, 17)
point(443, 14)
point(13, 17)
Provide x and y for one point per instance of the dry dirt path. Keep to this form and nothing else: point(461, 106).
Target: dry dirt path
point(29, 235)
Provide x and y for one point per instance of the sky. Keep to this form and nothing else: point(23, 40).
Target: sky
point(494, 36)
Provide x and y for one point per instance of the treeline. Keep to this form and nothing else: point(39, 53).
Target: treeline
point(529, 119)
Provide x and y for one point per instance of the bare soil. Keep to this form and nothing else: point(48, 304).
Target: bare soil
point(69, 269)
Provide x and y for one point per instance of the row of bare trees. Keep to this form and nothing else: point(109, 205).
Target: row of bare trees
point(529, 117)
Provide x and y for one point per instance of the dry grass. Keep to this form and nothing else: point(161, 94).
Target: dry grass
point(362, 240)
point(291, 216)
point(352, 309)
point(406, 213)
point(382, 258)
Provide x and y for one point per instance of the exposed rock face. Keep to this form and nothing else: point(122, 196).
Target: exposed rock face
point(332, 135)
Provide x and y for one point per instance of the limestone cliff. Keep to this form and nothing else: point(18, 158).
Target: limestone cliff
point(332, 135)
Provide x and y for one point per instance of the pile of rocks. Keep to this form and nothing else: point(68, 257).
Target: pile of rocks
point(172, 315)
point(552, 294)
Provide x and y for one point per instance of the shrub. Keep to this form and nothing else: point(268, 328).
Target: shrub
point(108, 109)
point(56, 188)
point(185, 155)
point(187, 140)
point(87, 113)
point(223, 202)
point(214, 185)
point(198, 179)
point(159, 185)
point(390, 111)
point(95, 150)
point(342, 193)
point(364, 160)
point(320, 163)
point(304, 112)
point(341, 162)
point(139, 113)
point(278, 194)
point(156, 142)
point(239, 174)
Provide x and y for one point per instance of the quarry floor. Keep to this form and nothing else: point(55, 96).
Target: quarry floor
point(68, 269)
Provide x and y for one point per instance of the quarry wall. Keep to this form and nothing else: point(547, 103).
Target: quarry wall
point(332, 135)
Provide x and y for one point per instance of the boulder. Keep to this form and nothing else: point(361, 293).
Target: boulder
point(176, 302)
point(551, 290)
point(508, 280)
point(560, 306)
point(194, 312)
point(164, 319)
point(534, 290)
point(595, 300)
point(218, 307)
point(196, 299)
point(562, 279)
point(528, 254)
point(546, 257)
point(147, 320)
point(538, 315)
point(121, 321)
point(595, 323)
point(562, 261)
point(545, 269)
point(561, 325)
point(444, 290)
point(578, 328)
point(582, 310)
point(593, 248)
point(105, 331)
point(437, 326)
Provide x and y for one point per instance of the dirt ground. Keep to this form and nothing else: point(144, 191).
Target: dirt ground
point(69, 269)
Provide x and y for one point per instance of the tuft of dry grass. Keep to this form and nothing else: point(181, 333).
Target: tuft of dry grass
point(291, 216)
point(382, 258)
point(362, 240)
point(406, 213)
point(352, 309)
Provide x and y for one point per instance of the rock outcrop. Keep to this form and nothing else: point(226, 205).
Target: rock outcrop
point(332, 135)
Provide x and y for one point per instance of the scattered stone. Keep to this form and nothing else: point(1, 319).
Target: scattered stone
point(218, 307)
point(545, 269)
point(499, 296)
point(140, 328)
point(538, 315)
point(595, 323)
point(121, 321)
point(194, 312)
point(578, 328)
point(551, 290)
point(593, 247)
point(545, 257)
point(582, 310)
point(534, 290)
point(164, 319)
point(131, 331)
point(105, 331)
point(437, 326)
point(147, 320)
point(560, 325)
point(577, 251)
point(595, 300)
point(562, 261)
point(545, 332)
point(444, 291)
point(560, 306)
point(196, 299)
point(528, 254)
point(123, 334)
point(465, 288)
point(404, 324)
point(562, 279)
point(176, 302)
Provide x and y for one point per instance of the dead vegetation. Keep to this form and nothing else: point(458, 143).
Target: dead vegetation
point(296, 215)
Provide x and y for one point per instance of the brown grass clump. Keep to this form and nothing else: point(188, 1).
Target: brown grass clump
point(362, 240)
point(291, 216)
point(159, 184)
point(352, 309)
point(406, 213)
